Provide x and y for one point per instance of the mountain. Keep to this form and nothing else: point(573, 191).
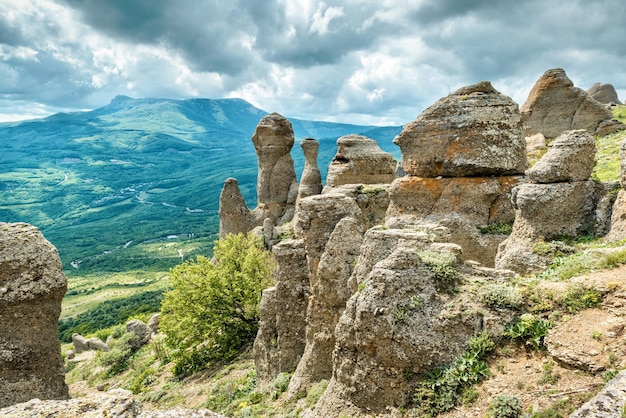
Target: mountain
point(138, 171)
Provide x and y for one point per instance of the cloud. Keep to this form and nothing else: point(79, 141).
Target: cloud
point(343, 60)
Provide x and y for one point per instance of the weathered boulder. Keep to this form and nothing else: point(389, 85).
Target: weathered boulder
point(141, 331)
point(281, 337)
point(153, 323)
point(397, 325)
point(81, 344)
point(609, 403)
point(235, 217)
point(372, 199)
point(570, 157)
point(329, 293)
point(277, 188)
point(617, 230)
point(604, 93)
point(545, 211)
point(475, 131)
point(97, 344)
point(311, 179)
point(555, 105)
point(32, 285)
point(116, 403)
point(359, 160)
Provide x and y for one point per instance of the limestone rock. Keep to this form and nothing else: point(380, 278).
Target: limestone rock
point(311, 179)
point(475, 131)
point(32, 285)
point(359, 160)
point(281, 337)
point(609, 403)
point(116, 403)
point(544, 211)
point(329, 293)
point(81, 344)
point(141, 331)
point(372, 199)
point(266, 342)
point(97, 344)
point(618, 218)
point(570, 157)
point(234, 215)
point(607, 196)
point(554, 106)
point(604, 93)
point(153, 323)
point(277, 188)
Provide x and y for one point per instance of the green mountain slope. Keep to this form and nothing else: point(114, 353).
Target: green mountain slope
point(106, 185)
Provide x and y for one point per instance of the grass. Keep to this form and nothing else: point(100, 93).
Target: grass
point(607, 165)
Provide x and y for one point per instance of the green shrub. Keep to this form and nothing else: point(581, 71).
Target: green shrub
point(315, 393)
point(280, 384)
point(120, 350)
point(579, 297)
point(505, 406)
point(501, 296)
point(441, 264)
point(529, 329)
point(444, 387)
point(213, 309)
point(502, 228)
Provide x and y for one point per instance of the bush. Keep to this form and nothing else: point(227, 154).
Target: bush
point(579, 297)
point(442, 266)
point(501, 296)
point(505, 406)
point(213, 309)
point(529, 329)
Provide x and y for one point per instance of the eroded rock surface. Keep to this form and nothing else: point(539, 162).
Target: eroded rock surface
point(475, 131)
point(555, 105)
point(235, 217)
point(359, 160)
point(32, 285)
point(604, 93)
point(609, 403)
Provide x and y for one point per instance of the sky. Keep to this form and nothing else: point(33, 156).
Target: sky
point(354, 61)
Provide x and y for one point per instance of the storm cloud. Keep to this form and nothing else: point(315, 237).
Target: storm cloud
point(351, 61)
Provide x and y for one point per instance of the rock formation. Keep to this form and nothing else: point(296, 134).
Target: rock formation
point(311, 179)
point(475, 131)
point(618, 218)
point(462, 156)
point(608, 403)
point(277, 188)
point(604, 93)
point(141, 331)
point(559, 200)
point(32, 285)
point(554, 106)
point(359, 160)
point(281, 339)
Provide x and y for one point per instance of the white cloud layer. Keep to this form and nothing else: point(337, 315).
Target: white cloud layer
point(350, 61)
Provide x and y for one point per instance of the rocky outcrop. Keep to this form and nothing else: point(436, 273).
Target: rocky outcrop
point(609, 403)
point(402, 322)
point(235, 217)
point(475, 131)
point(32, 285)
point(463, 155)
point(569, 158)
point(277, 188)
point(618, 217)
point(281, 338)
point(80, 343)
point(359, 160)
point(555, 105)
point(311, 179)
point(153, 323)
point(329, 293)
point(141, 331)
point(604, 93)
point(560, 200)
point(372, 200)
point(116, 403)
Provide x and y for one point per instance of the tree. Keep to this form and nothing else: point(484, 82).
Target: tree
point(213, 309)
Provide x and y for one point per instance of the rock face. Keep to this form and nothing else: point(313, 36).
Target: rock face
point(234, 215)
point(475, 131)
point(281, 338)
point(141, 331)
point(554, 105)
point(570, 157)
point(32, 285)
point(560, 200)
point(608, 403)
point(401, 322)
point(277, 188)
point(462, 155)
point(311, 179)
point(359, 160)
point(618, 216)
point(604, 93)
